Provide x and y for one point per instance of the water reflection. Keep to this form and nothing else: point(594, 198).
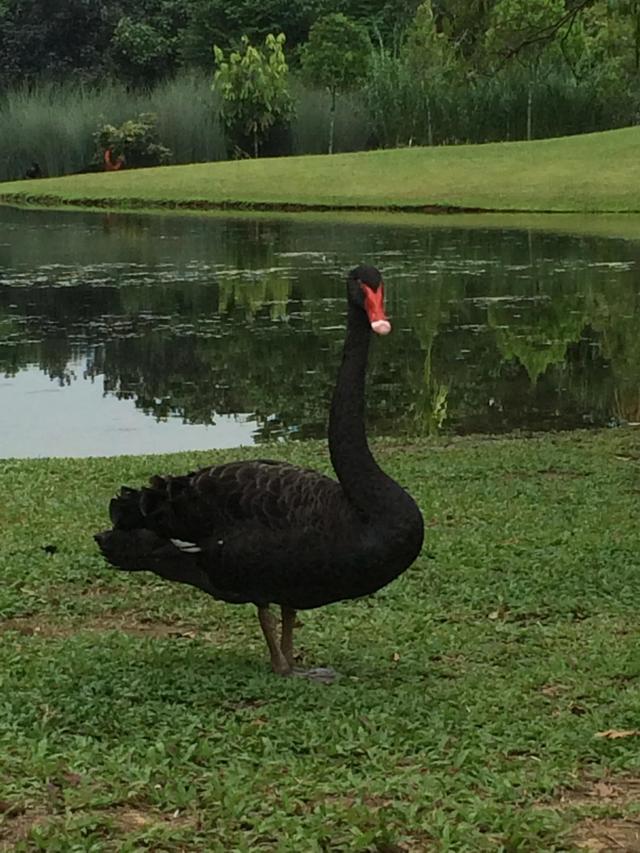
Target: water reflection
point(215, 332)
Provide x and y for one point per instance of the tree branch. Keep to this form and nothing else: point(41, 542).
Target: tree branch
point(545, 34)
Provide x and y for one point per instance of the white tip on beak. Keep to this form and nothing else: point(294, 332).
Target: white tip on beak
point(381, 327)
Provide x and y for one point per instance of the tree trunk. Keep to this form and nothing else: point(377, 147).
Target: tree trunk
point(429, 124)
point(255, 142)
point(529, 109)
point(332, 119)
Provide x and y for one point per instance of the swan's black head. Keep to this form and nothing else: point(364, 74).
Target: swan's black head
point(365, 289)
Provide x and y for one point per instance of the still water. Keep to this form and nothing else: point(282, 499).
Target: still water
point(133, 334)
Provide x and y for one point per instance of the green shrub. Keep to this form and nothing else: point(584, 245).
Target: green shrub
point(136, 141)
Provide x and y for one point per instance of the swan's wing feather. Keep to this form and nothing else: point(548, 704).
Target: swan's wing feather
point(216, 500)
point(274, 495)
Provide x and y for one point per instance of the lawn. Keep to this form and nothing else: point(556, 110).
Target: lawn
point(597, 172)
point(488, 700)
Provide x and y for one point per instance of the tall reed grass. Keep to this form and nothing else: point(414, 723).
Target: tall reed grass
point(488, 109)
point(310, 125)
point(54, 124)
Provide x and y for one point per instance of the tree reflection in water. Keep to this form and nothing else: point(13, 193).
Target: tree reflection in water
point(494, 330)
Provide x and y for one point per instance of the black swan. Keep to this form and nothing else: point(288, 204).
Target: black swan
point(265, 532)
point(34, 171)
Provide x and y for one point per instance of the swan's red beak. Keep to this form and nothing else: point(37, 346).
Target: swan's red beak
point(374, 306)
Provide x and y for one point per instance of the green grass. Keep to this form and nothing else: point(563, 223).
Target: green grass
point(597, 172)
point(137, 714)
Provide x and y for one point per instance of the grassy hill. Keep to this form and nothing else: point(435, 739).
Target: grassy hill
point(598, 172)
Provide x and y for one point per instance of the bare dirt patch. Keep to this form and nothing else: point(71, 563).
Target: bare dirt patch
point(127, 623)
point(129, 819)
point(607, 833)
point(619, 791)
point(15, 826)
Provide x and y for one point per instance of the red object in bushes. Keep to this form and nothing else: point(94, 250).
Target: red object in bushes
point(109, 164)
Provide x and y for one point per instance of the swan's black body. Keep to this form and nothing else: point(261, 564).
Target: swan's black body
point(272, 533)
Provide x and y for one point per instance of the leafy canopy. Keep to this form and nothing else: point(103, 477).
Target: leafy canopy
point(337, 54)
point(253, 86)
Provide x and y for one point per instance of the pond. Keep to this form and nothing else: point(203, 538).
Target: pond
point(124, 333)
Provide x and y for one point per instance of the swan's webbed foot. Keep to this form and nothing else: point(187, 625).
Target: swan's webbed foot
point(321, 674)
point(281, 651)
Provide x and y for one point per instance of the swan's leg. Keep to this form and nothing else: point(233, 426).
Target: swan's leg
point(269, 625)
point(286, 643)
point(326, 675)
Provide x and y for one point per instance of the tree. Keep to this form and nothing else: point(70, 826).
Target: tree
point(253, 86)
point(430, 58)
point(139, 51)
point(336, 57)
point(145, 43)
point(627, 11)
point(464, 22)
point(224, 23)
point(50, 38)
point(525, 31)
point(386, 20)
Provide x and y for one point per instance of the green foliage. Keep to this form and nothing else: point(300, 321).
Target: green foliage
point(431, 62)
point(140, 52)
point(337, 53)
point(624, 17)
point(53, 38)
point(253, 86)
point(515, 27)
point(514, 32)
point(136, 714)
point(136, 140)
point(530, 69)
point(336, 57)
point(606, 51)
point(145, 42)
point(425, 48)
point(54, 125)
point(464, 22)
point(223, 23)
point(385, 20)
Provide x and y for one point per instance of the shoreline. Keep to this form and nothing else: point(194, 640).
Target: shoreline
point(622, 225)
point(124, 205)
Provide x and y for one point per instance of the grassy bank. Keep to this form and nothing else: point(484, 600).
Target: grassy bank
point(475, 690)
point(592, 173)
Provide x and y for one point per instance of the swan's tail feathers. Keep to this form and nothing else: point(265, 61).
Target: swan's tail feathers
point(145, 507)
point(133, 550)
point(125, 510)
point(143, 550)
point(166, 506)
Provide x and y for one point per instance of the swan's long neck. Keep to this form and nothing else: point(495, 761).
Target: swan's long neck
point(365, 484)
